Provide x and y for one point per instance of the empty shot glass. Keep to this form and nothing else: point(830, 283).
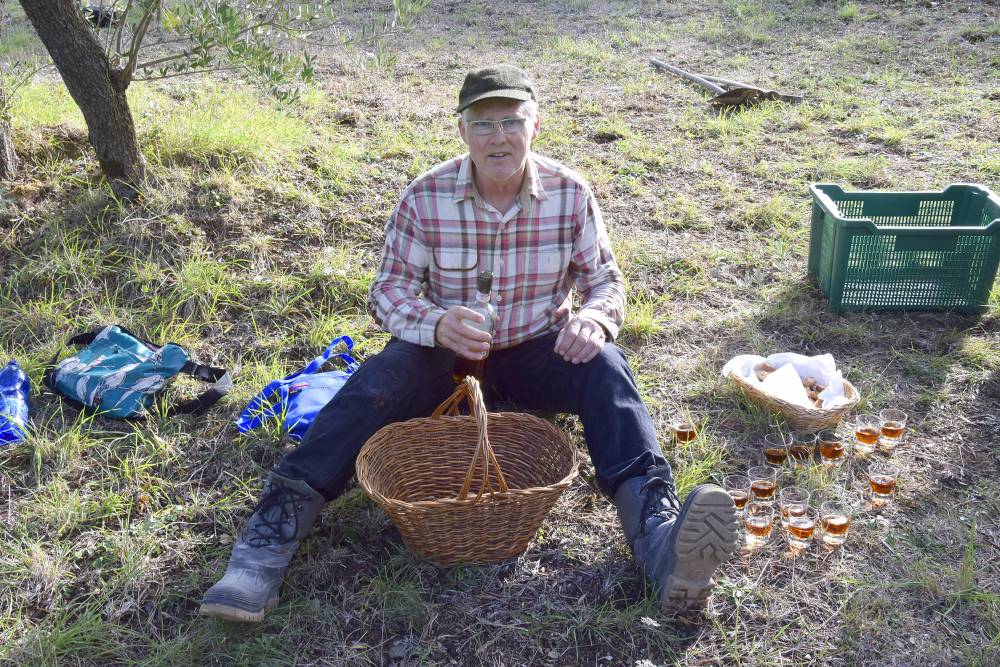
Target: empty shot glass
point(801, 446)
point(738, 488)
point(835, 521)
point(763, 483)
point(892, 429)
point(775, 449)
point(792, 501)
point(800, 529)
point(867, 430)
point(758, 522)
point(882, 478)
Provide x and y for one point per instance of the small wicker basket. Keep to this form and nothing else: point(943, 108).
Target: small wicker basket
point(799, 417)
point(508, 470)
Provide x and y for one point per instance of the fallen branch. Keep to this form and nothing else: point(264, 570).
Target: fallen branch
point(727, 82)
point(701, 81)
point(728, 93)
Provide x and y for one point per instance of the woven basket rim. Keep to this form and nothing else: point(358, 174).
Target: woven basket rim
point(487, 497)
point(852, 393)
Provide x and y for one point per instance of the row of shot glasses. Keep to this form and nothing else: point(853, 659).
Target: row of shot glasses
point(883, 431)
point(755, 495)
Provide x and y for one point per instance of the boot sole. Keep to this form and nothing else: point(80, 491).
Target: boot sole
point(230, 613)
point(706, 540)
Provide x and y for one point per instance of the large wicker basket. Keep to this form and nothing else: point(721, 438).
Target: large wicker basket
point(467, 489)
point(799, 417)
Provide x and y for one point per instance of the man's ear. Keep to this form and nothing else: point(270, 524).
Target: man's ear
point(461, 131)
point(536, 124)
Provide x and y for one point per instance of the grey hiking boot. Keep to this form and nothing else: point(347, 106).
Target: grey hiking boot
point(677, 547)
point(285, 514)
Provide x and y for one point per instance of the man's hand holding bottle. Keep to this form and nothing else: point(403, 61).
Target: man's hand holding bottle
point(458, 331)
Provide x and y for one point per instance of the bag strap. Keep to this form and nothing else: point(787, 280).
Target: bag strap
point(221, 381)
point(318, 362)
point(260, 408)
point(87, 337)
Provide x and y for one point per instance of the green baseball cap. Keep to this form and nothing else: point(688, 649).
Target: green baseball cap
point(501, 81)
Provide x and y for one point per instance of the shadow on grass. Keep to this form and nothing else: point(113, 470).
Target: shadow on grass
point(354, 582)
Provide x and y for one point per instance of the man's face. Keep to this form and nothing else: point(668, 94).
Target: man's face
point(498, 156)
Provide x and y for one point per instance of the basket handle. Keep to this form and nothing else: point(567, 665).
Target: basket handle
point(470, 391)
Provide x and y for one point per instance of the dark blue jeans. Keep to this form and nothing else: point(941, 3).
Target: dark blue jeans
point(404, 381)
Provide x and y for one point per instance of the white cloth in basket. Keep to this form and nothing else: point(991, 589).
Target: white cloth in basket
point(786, 382)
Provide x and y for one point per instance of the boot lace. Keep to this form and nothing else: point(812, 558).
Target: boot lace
point(276, 512)
point(661, 500)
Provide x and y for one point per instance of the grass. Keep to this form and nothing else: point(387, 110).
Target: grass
point(849, 12)
point(255, 245)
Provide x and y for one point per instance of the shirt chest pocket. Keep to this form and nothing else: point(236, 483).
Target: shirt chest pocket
point(456, 259)
point(551, 261)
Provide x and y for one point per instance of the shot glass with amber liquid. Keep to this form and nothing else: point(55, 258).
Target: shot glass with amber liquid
point(892, 429)
point(801, 446)
point(882, 478)
point(831, 447)
point(684, 430)
point(800, 529)
point(775, 449)
point(867, 430)
point(835, 521)
point(758, 521)
point(763, 483)
point(738, 488)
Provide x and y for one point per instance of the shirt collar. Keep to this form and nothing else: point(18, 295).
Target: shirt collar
point(465, 187)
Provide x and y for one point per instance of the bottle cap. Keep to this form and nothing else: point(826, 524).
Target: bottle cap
point(485, 284)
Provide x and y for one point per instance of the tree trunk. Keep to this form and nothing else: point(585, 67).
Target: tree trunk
point(98, 89)
point(8, 158)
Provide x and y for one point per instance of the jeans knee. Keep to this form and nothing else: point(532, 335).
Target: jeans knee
point(401, 367)
point(609, 367)
point(613, 360)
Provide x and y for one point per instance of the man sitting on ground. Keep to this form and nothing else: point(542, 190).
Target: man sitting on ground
point(536, 225)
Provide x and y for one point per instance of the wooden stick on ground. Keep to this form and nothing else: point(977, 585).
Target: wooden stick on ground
point(726, 82)
point(728, 93)
point(704, 83)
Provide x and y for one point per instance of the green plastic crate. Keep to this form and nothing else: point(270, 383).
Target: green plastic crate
point(905, 250)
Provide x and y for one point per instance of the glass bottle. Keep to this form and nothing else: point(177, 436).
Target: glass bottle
point(483, 306)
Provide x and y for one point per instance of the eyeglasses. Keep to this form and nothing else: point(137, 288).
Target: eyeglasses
point(484, 128)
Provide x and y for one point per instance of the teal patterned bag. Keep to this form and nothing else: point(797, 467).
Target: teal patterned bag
point(119, 375)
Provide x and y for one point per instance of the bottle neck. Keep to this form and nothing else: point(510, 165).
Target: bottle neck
point(482, 298)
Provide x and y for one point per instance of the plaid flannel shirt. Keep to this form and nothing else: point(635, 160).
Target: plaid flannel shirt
point(443, 234)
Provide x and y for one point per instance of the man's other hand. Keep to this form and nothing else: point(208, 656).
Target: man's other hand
point(455, 333)
point(580, 340)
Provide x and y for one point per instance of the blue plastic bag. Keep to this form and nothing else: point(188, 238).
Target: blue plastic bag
point(297, 399)
point(14, 390)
